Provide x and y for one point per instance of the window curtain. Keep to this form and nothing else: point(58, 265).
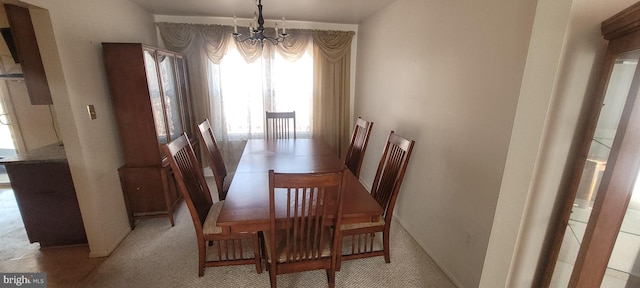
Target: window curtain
point(331, 106)
point(332, 57)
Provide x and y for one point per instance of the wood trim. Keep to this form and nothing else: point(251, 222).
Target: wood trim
point(625, 22)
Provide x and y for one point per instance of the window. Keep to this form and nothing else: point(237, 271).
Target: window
point(242, 92)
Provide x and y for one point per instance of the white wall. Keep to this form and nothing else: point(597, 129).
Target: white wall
point(70, 33)
point(447, 74)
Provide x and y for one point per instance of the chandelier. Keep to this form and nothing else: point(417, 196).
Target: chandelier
point(256, 30)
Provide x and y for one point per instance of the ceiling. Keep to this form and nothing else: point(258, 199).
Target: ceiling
point(328, 11)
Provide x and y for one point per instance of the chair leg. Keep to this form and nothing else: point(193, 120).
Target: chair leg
point(256, 253)
point(272, 277)
point(202, 253)
point(331, 278)
point(339, 253)
point(385, 241)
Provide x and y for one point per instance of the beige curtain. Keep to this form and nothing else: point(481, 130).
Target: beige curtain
point(332, 58)
point(331, 103)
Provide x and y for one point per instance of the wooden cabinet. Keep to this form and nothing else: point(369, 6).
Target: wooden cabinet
point(149, 90)
point(26, 44)
point(48, 206)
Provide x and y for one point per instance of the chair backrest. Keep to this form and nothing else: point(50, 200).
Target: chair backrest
point(216, 162)
point(358, 145)
point(391, 169)
point(314, 203)
point(280, 125)
point(189, 178)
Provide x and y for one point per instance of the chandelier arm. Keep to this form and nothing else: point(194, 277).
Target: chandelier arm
point(273, 41)
point(242, 40)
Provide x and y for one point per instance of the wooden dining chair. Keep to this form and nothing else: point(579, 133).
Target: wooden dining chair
point(385, 188)
point(280, 125)
point(216, 162)
point(357, 147)
point(304, 208)
point(230, 248)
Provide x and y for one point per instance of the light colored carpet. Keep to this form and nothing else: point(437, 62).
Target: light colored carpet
point(158, 255)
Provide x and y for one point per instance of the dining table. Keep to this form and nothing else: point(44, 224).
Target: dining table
point(246, 207)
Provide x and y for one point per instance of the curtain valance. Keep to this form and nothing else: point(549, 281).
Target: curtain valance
point(214, 40)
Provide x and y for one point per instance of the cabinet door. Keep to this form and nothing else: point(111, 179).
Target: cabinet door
point(144, 190)
point(49, 206)
point(155, 95)
point(167, 68)
point(184, 96)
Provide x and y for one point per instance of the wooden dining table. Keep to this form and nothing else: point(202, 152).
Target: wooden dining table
point(246, 207)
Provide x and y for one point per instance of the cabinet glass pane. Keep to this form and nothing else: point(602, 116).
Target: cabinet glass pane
point(171, 98)
point(623, 269)
point(154, 93)
point(184, 95)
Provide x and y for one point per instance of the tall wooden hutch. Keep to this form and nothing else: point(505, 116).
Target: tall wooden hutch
point(150, 94)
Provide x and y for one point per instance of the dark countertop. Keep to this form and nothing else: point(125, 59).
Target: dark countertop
point(50, 153)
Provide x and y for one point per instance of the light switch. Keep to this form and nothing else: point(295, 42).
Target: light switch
point(92, 112)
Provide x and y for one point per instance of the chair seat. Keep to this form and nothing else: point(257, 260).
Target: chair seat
point(211, 222)
point(280, 246)
point(362, 225)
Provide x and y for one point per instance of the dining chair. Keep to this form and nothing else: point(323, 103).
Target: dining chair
point(358, 145)
point(304, 207)
point(204, 213)
point(280, 125)
point(221, 176)
point(385, 188)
